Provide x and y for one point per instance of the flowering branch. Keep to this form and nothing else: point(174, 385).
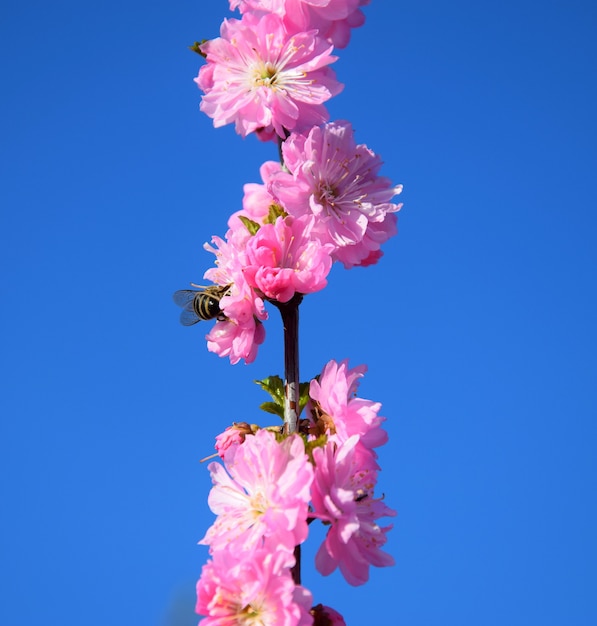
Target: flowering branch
point(324, 202)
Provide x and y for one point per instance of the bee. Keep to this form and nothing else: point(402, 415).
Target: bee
point(200, 305)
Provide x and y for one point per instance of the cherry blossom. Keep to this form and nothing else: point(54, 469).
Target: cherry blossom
point(337, 181)
point(228, 441)
point(239, 333)
point(262, 500)
point(261, 77)
point(251, 589)
point(337, 410)
point(342, 495)
point(368, 252)
point(283, 259)
point(334, 19)
point(228, 339)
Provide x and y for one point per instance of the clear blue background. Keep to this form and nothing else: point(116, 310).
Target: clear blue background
point(478, 325)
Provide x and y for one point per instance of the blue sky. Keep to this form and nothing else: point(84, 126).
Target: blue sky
point(478, 325)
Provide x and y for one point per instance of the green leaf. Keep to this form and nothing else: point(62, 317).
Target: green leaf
point(272, 407)
point(196, 47)
point(275, 211)
point(303, 395)
point(250, 225)
point(273, 385)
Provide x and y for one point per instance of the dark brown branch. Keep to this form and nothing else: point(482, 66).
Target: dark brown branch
point(290, 321)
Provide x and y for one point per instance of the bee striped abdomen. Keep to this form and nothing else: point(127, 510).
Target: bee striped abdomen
point(206, 307)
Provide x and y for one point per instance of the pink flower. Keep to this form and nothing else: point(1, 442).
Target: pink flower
point(334, 19)
point(368, 252)
point(236, 341)
point(251, 589)
point(261, 77)
point(241, 332)
point(263, 500)
point(283, 259)
point(342, 495)
point(343, 414)
point(228, 441)
point(336, 180)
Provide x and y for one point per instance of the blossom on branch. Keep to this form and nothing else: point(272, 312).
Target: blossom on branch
point(262, 501)
point(334, 19)
point(283, 259)
point(342, 496)
point(250, 589)
point(269, 73)
point(240, 331)
point(228, 441)
point(263, 78)
point(336, 410)
point(337, 181)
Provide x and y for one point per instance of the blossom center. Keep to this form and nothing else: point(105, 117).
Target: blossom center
point(265, 75)
point(259, 504)
point(327, 195)
point(250, 616)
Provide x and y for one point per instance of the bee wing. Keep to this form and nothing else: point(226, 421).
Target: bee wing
point(188, 317)
point(184, 298)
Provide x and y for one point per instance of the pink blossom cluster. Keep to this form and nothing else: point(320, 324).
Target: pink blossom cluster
point(270, 488)
point(333, 19)
point(251, 588)
point(268, 73)
point(332, 178)
point(346, 474)
point(281, 259)
point(331, 205)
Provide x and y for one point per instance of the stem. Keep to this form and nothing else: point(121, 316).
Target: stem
point(295, 570)
point(290, 319)
point(280, 154)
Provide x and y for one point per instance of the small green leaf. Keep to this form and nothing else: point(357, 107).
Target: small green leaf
point(273, 385)
point(303, 395)
point(250, 225)
point(275, 211)
point(272, 407)
point(196, 47)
